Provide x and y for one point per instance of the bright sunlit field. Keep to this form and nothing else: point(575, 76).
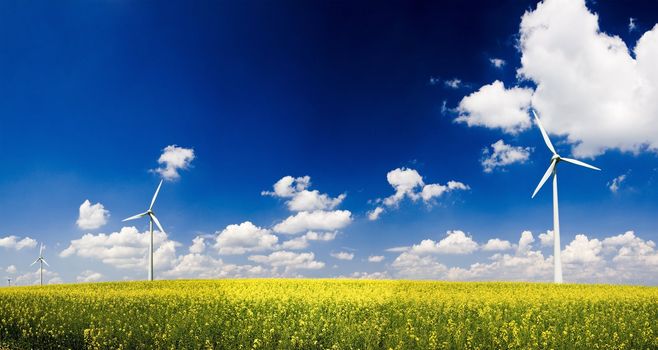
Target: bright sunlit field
point(328, 314)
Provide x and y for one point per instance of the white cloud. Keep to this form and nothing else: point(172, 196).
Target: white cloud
point(453, 83)
point(502, 154)
point(494, 106)
point(590, 88)
point(398, 249)
point(33, 278)
point(546, 239)
point(455, 242)
point(631, 24)
point(204, 266)
point(300, 198)
point(318, 220)
point(92, 216)
point(289, 260)
point(615, 184)
point(375, 213)
point(408, 183)
point(343, 255)
point(198, 245)
point(496, 244)
point(11, 269)
point(525, 242)
point(126, 249)
point(370, 275)
point(302, 242)
point(89, 276)
point(13, 242)
point(173, 159)
point(375, 258)
point(582, 250)
point(244, 238)
point(497, 62)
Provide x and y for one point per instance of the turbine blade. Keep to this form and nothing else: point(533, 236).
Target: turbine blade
point(44, 261)
point(577, 162)
point(41, 250)
point(544, 134)
point(157, 222)
point(155, 195)
point(548, 173)
point(136, 216)
point(35, 261)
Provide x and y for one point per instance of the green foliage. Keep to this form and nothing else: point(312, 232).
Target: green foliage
point(328, 314)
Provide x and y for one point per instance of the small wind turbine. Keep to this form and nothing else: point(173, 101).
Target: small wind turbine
point(152, 219)
point(41, 261)
point(9, 281)
point(552, 170)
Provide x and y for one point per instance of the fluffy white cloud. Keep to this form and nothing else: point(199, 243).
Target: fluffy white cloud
point(618, 259)
point(502, 154)
point(409, 184)
point(318, 220)
point(497, 62)
point(89, 276)
point(370, 275)
point(494, 106)
point(198, 245)
point(582, 250)
point(375, 258)
point(375, 213)
point(343, 255)
point(455, 242)
point(302, 242)
point(92, 216)
point(546, 239)
point(204, 266)
point(11, 269)
point(13, 242)
point(615, 184)
point(126, 249)
point(300, 198)
point(590, 87)
point(496, 244)
point(244, 238)
point(289, 260)
point(33, 278)
point(173, 159)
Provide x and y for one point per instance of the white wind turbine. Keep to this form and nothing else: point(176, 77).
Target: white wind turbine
point(152, 219)
point(41, 261)
point(552, 170)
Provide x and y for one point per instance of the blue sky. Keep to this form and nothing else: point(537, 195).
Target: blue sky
point(93, 92)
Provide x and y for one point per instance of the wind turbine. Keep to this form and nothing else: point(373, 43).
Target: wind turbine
point(9, 281)
point(152, 219)
point(41, 261)
point(552, 170)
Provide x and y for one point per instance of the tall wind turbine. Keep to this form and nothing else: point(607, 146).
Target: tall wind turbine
point(9, 281)
point(152, 219)
point(552, 170)
point(41, 261)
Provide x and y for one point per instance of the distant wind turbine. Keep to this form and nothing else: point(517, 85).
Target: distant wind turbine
point(552, 170)
point(152, 219)
point(41, 261)
point(9, 281)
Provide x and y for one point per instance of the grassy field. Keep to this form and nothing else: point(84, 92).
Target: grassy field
point(328, 314)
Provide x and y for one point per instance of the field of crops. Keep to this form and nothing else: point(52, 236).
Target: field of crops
point(328, 314)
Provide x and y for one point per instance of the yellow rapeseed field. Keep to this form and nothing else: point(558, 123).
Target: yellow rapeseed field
point(328, 314)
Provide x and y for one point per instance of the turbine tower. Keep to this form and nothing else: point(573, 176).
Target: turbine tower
point(41, 261)
point(552, 170)
point(9, 281)
point(152, 219)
